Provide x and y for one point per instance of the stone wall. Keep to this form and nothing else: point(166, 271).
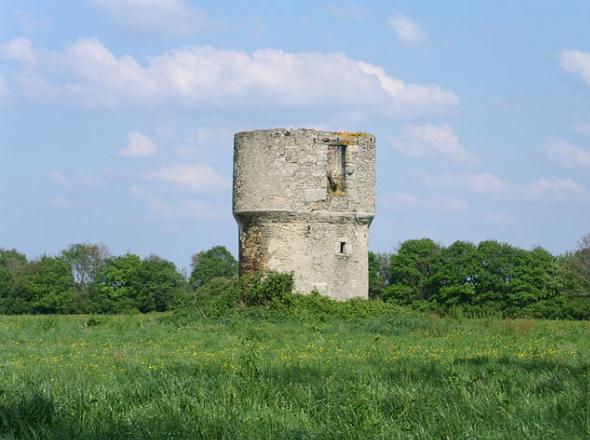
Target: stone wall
point(304, 200)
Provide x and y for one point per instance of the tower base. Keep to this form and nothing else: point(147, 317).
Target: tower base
point(326, 253)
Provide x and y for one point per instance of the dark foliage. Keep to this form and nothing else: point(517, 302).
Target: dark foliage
point(85, 279)
point(213, 263)
point(492, 278)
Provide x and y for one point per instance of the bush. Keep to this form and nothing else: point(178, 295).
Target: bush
point(265, 288)
point(220, 296)
point(577, 308)
point(398, 293)
point(217, 297)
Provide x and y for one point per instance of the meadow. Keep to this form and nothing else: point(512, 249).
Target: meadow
point(406, 376)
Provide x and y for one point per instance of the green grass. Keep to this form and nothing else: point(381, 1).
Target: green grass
point(407, 377)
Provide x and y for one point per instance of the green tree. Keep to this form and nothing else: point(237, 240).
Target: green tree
point(412, 269)
point(581, 264)
point(86, 261)
point(118, 281)
point(13, 274)
point(128, 282)
point(513, 280)
point(535, 278)
point(50, 285)
point(454, 274)
point(495, 270)
point(379, 273)
point(160, 284)
point(213, 263)
point(576, 268)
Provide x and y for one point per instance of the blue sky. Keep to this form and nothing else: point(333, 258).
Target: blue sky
point(117, 116)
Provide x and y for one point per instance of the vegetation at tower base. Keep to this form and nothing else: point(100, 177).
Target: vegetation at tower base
point(462, 279)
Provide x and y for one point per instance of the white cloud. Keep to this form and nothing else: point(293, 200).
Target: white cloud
point(582, 128)
point(196, 177)
point(185, 209)
point(449, 203)
point(204, 76)
point(169, 16)
point(576, 62)
point(345, 10)
point(97, 77)
point(399, 200)
point(198, 210)
point(406, 202)
point(484, 183)
point(61, 179)
point(35, 86)
point(426, 141)
point(408, 98)
point(88, 180)
point(19, 49)
point(554, 186)
point(77, 181)
point(567, 154)
point(407, 31)
point(550, 189)
point(206, 141)
point(153, 202)
point(139, 145)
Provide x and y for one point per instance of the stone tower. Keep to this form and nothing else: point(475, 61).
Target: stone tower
point(304, 200)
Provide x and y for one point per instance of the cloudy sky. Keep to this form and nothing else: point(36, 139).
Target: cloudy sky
point(117, 116)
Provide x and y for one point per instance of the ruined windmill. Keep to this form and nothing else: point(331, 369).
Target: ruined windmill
point(304, 200)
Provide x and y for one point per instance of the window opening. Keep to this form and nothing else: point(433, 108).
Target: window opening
point(342, 247)
point(336, 168)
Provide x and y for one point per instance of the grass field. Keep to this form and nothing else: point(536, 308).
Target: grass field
point(410, 377)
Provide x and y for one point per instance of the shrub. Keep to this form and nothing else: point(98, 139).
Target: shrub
point(265, 288)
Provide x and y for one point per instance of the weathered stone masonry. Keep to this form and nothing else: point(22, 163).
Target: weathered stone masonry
point(304, 200)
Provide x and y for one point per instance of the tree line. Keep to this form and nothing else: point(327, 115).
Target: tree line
point(490, 278)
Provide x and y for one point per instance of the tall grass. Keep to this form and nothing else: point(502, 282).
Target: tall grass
point(403, 376)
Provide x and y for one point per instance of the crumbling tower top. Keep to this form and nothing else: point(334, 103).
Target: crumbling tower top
point(304, 170)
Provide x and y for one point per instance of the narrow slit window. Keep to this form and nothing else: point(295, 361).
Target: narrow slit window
point(342, 247)
point(336, 168)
